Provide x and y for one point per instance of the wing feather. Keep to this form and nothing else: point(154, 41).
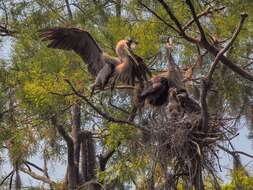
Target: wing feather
point(79, 41)
point(133, 68)
point(151, 89)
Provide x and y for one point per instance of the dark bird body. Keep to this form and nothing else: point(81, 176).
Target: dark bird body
point(156, 91)
point(127, 67)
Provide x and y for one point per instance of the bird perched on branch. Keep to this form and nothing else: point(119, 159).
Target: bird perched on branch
point(127, 67)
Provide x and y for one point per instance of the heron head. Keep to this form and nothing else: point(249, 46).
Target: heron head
point(131, 43)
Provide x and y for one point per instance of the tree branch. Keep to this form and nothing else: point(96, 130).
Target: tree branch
point(160, 18)
point(6, 177)
point(181, 32)
point(4, 31)
point(62, 131)
point(206, 45)
point(172, 16)
point(100, 112)
point(35, 166)
point(208, 10)
point(196, 20)
point(103, 159)
point(36, 176)
point(207, 82)
point(233, 153)
point(229, 44)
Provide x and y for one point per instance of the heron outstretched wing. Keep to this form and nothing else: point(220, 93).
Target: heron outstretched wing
point(79, 41)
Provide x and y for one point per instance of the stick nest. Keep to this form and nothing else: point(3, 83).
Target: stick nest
point(182, 144)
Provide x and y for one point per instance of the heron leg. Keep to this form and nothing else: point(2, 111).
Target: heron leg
point(93, 88)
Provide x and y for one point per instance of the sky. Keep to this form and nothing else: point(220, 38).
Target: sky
point(57, 170)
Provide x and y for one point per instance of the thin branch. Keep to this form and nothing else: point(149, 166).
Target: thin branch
point(35, 166)
point(69, 10)
point(6, 177)
point(36, 176)
point(229, 44)
point(207, 81)
point(100, 112)
point(172, 16)
point(233, 153)
point(62, 131)
point(181, 32)
point(196, 20)
point(208, 10)
point(160, 18)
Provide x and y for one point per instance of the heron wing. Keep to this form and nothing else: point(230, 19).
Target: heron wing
point(79, 41)
point(151, 89)
point(131, 69)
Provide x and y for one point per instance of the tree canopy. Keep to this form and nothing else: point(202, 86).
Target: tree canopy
point(46, 108)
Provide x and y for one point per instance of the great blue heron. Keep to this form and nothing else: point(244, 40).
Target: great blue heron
point(127, 67)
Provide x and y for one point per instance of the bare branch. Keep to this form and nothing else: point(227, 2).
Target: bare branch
point(160, 18)
point(100, 112)
point(229, 44)
point(175, 20)
point(208, 10)
point(196, 20)
point(6, 177)
point(36, 176)
point(62, 131)
point(233, 153)
point(35, 166)
point(206, 82)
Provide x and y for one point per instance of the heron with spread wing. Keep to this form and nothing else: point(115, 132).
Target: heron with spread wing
point(127, 67)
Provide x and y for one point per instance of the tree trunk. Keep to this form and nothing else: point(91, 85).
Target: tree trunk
point(76, 124)
point(17, 181)
point(72, 168)
point(88, 159)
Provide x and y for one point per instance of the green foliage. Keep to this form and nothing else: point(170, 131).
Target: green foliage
point(239, 181)
point(36, 77)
